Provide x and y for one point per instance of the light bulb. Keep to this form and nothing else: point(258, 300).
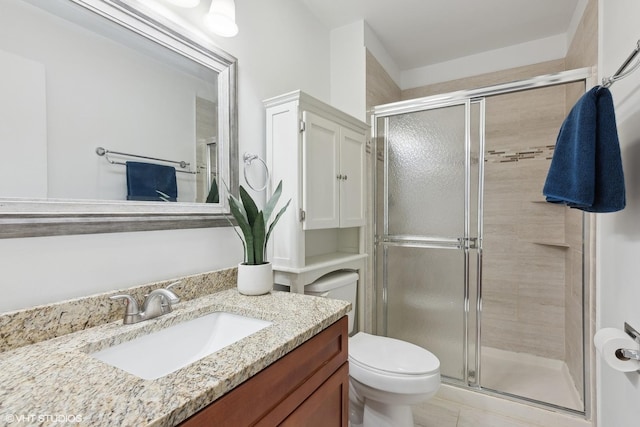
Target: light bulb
point(221, 18)
point(184, 3)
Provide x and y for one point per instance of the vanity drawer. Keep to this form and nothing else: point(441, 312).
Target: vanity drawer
point(309, 384)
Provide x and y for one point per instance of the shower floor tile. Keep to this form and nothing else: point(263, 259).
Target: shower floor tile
point(533, 377)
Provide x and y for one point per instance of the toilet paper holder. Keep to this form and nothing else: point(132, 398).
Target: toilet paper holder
point(625, 353)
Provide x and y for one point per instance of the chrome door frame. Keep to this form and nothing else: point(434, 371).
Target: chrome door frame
point(586, 75)
point(464, 242)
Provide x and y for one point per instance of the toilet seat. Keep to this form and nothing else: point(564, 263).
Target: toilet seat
point(391, 355)
point(392, 365)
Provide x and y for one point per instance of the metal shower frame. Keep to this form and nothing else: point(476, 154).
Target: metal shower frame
point(467, 97)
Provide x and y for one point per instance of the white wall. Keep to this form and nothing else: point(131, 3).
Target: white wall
point(618, 237)
point(23, 127)
point(547, 49)
point(87, 78)
point(348, 69)
point(281, 47)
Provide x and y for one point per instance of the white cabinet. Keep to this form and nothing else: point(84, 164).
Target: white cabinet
point(332, 174)
point(319, 153)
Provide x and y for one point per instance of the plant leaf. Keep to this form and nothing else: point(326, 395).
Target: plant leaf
point(258, 239)
point(249, 206)
point(237, 213)
point(271, 204)
point(244, 246)
point(275, 220)
point(236, 200)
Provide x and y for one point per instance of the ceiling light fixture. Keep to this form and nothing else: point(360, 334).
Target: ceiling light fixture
point(221, 18)
point(184, 3)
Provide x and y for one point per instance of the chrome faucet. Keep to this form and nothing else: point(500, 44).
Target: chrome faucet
point(157, 303)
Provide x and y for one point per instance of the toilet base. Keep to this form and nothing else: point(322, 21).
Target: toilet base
point(368, 412)
point(382, 415)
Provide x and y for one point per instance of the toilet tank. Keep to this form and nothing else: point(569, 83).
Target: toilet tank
point(337, 285)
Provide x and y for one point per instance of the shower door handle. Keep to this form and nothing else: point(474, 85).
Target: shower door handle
point(468, 242)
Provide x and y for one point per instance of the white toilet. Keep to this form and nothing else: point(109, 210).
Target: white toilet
point(387, 375)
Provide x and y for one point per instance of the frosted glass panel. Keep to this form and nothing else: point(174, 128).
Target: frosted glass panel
point(426, 176)
point(426, 302)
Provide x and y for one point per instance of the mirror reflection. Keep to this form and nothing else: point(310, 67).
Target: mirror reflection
point(98, 112)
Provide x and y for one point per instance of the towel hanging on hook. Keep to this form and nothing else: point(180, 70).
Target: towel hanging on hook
point(248, 158)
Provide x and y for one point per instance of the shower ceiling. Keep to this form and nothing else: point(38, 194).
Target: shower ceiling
point(417, 33)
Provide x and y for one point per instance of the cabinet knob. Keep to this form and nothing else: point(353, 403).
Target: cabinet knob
point(344, 177)
point(339, 176)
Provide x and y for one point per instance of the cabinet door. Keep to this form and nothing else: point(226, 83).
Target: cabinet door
point(328, 406)
point(352, 182)
point(320, 185)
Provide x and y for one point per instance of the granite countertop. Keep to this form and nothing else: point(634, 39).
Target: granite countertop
point(57, 382)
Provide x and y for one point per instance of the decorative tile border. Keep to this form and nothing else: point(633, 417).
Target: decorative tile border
point(40, 323)
point(507, 156)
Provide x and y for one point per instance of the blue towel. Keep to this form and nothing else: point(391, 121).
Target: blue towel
point(151, 182)
point(586, 169)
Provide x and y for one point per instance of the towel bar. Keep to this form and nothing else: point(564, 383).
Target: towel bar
point(103, 152)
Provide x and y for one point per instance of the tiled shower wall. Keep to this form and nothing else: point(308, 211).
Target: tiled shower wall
point(524, 237)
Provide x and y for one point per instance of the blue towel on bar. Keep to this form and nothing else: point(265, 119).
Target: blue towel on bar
point(586, 169)
point(151, 182)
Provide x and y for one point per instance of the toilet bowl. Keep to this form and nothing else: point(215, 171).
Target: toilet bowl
point(387, 376)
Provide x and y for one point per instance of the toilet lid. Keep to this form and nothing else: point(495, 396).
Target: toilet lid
point(391, 355)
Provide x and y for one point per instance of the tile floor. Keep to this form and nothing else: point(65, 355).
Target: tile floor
point(457, 407)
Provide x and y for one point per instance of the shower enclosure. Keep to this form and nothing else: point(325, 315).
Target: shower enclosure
point(471, 262)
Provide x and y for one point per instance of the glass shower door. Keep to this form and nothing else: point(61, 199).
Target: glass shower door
point(426, 241)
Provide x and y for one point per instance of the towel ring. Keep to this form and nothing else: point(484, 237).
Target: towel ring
point(248, 158)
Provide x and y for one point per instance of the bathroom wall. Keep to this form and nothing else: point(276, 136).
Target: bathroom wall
point(488, 79)
point(84, 88)
point(348, 64)
point(381, 89)
point(618, 234)
point(524, 237)
point(280, 47)
point(583, 52)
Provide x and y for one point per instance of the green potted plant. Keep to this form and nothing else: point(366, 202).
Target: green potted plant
point(255, 274)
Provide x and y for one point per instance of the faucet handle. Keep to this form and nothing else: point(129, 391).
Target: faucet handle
point(132, 304)
point(173, 285)
point(170, 289)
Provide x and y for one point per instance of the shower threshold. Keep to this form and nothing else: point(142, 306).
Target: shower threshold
point(531, 377)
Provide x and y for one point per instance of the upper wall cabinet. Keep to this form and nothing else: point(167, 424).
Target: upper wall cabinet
point(319, 153)
point(332, 174)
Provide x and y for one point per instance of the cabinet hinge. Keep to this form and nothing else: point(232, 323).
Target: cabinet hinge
point(303, 126)
point(303, 215)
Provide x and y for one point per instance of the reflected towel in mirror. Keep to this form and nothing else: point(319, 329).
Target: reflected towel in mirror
point(151, 182)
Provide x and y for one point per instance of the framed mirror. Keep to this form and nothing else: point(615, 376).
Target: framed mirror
point(112, 118)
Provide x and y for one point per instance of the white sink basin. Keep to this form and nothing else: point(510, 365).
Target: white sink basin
point(160, 353)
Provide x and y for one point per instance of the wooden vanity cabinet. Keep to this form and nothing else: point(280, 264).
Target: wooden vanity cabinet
point(307, 387)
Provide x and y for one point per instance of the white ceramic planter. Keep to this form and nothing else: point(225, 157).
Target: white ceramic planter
point(255, 279)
